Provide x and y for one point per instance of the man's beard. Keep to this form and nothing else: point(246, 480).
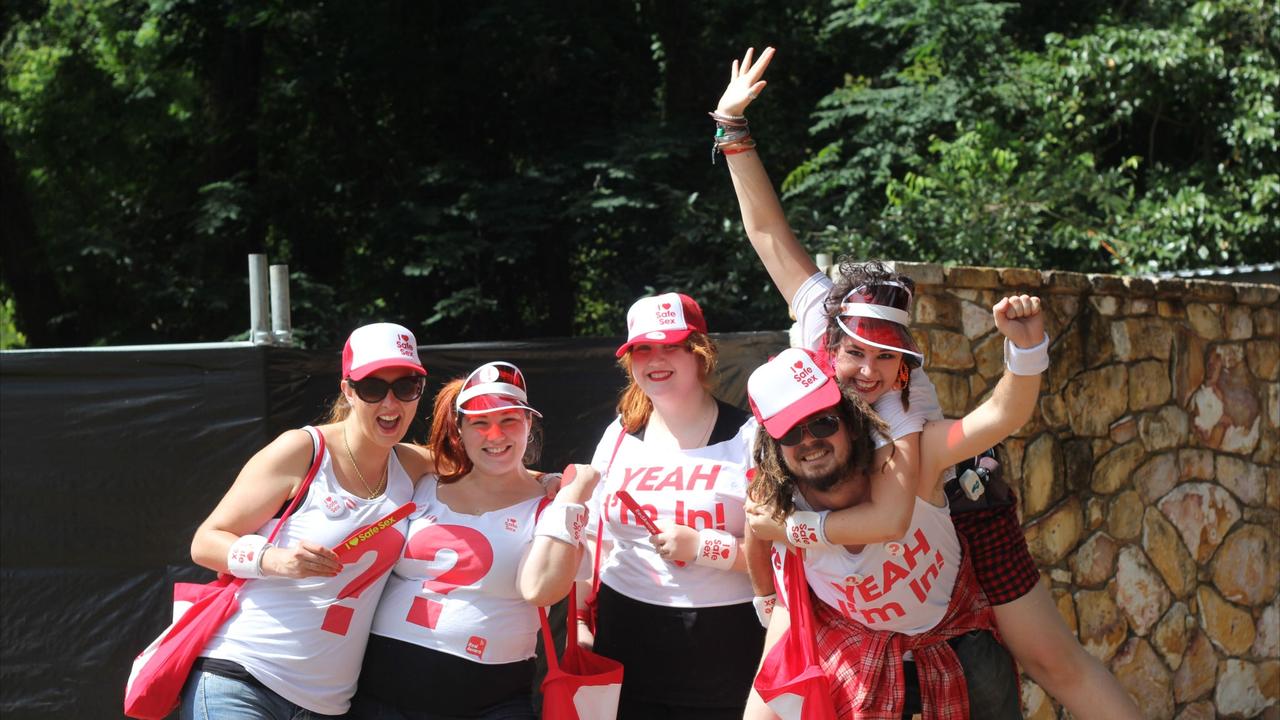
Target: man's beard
point(828, 480)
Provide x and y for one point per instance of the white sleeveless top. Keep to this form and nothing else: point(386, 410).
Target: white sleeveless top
point(903, 586)
point(295, 636)
point(699, 488)
point(454, 588)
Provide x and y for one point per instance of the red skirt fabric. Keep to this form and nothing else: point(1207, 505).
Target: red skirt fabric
point(998, 549)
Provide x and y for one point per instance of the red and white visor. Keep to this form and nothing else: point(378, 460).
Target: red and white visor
point(879, 315)
point(493, 387)
point(789, 388)
point(662, 320)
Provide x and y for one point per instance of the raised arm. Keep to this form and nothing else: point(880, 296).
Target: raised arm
point(549, 569)
point(762, 217)
point(1011, 404)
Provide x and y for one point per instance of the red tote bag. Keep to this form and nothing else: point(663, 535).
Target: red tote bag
point(159, 672)
point(791, 681)
point(581, 685)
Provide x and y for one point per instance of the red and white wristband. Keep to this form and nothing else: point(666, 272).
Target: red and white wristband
point(244, 558)
point(563, 521)
point(1027, 361)
point(764, 608)
point(806, 528)
point(716, 548)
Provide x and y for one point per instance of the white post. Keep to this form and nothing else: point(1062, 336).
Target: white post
point(823, 261)
point(281, 317)
point(259, 332)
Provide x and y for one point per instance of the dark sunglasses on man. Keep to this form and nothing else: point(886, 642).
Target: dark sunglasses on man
point(819, 427)
point(372, 389)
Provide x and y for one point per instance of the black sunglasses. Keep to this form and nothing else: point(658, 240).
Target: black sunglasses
point(372, 389)
point(819, 427)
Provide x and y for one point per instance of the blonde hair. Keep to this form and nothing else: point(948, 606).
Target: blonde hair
point(635, 407)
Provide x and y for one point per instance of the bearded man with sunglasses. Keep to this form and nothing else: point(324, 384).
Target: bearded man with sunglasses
point(893, 617)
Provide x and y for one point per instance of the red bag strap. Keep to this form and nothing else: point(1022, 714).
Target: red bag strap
point(570, 635)
point(595, 567)
point(317, 445)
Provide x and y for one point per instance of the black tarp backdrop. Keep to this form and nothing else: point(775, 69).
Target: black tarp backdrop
point(110, 458)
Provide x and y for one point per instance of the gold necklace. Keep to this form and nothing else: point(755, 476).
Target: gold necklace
point(372, 493)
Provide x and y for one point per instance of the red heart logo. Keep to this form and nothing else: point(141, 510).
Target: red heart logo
point(666, 306)
point(799, 364)
point(404, 338)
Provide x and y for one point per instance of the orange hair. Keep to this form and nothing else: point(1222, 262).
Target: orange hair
point(445, 441)
point(635, 407)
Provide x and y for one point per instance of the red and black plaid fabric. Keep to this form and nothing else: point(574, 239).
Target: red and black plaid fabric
point(1001, 561)
point(864, 666)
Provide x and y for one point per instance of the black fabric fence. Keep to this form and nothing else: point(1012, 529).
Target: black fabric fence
point(109, 459)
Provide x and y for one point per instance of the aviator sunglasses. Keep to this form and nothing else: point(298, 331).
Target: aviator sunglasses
point(819, 427)
point(372, 389)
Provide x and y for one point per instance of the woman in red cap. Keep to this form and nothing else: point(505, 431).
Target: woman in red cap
point(862, 323)
point(484, 549)
point(293, 647)
point(675, 605)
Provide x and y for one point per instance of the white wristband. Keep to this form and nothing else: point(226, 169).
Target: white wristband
point(807, 529)
point(764, 608)
point(1027, 361)
point(716, 548)
point(563, 521)
point(244, 559)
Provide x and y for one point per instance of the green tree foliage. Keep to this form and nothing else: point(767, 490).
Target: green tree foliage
point(510, 170)
point(1122, 138)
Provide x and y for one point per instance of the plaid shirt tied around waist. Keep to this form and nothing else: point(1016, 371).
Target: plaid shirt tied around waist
point(865, 665)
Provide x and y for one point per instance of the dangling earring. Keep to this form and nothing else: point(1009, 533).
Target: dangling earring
point(904, 376)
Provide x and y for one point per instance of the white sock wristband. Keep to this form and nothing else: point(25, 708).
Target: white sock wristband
point(563, 521)
point(807, 529)
point(244, 559)
point(1027, 361)
point(716, 548)
point(764, 608)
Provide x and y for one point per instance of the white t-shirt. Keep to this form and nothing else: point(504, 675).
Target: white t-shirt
point(295, 636)
point(455, 587)
point(808, 305)
point(903, 586)
point(700, 488)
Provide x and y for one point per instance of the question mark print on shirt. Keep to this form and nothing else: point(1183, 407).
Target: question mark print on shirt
point(385, 547)
point(455, 556)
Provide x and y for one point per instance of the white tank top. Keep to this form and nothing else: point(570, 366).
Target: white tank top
point(700, 488)
point(454, 588)
point(903, 586)
point(295, 636)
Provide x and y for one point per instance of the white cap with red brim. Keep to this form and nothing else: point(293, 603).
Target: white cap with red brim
point(493, 387)
point(789, 388)
point(381, 345)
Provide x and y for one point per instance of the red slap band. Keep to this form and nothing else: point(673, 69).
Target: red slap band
point(348, 549)
point(642, 516)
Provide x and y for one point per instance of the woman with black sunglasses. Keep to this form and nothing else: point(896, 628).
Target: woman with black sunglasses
point(674, 603)
point(294, 647)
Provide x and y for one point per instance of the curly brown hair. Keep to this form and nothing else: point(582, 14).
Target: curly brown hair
point(855, 274)
point(773, 485)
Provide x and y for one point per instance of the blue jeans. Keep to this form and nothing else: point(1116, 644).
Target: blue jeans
point(213, 697)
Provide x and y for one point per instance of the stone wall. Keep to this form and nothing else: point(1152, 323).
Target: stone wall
point(1148, 477)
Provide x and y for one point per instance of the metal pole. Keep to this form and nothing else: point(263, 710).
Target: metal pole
point(281, 318)
point(259, 332)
